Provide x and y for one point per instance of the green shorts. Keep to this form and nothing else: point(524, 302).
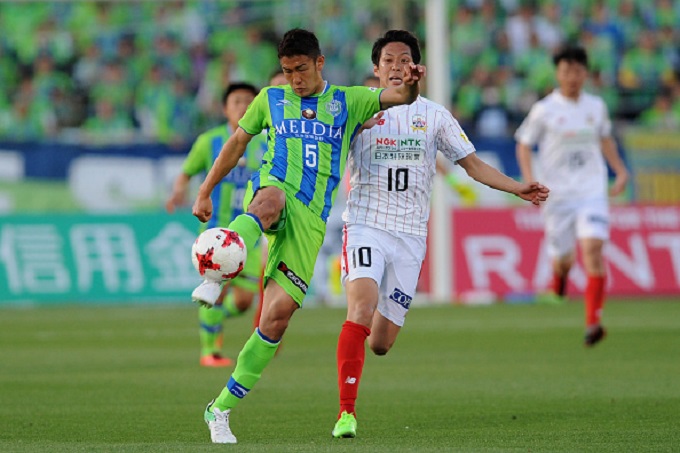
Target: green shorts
point(294, 247)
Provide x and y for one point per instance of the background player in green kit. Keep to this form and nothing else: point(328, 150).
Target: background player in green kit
point(237, 295)
point(310, 125)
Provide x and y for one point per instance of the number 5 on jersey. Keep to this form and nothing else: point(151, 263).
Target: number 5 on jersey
point(397, 179)
point(310, 155)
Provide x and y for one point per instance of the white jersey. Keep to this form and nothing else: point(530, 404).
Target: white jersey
point(569, 134)
point(392, 166)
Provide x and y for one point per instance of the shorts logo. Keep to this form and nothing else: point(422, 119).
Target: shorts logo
point(309, 114)
point(594, 218)
point(401, 298)
point(293, 277)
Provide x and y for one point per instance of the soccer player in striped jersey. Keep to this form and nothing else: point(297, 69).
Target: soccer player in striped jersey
point(237, 295)
point(392, 165)
point(573, 133)
point(310, 125)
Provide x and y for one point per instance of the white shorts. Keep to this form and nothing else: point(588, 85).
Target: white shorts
point(567, 221)
point(392, 259)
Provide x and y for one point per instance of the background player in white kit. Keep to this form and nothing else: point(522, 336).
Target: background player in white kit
point(392, 166)
point(573, 133)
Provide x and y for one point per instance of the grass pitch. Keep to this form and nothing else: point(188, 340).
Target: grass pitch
point(487, 379)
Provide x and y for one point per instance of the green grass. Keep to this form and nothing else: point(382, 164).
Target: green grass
point(487, 379)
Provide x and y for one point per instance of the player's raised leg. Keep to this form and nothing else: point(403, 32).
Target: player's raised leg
point(265, 208)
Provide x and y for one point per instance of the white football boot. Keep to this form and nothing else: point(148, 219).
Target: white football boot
point(207, 293)
point(218, 423)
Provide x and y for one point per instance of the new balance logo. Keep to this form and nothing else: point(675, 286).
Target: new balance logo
point(350, 380)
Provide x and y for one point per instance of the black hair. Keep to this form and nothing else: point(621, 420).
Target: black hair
point(571, 54)
point(299, 42)
point(403, 36)
point(238, 86)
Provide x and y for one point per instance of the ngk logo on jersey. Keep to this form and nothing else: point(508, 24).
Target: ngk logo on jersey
point(402, 149)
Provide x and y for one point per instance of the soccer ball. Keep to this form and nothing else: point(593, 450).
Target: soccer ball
point(218, 254)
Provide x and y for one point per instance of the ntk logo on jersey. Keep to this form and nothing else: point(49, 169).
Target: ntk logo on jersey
point(418, 123)
point(401, 149)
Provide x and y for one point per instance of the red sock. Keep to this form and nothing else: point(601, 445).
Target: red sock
point(351, 353)
point(559, 285)
point(594, 299)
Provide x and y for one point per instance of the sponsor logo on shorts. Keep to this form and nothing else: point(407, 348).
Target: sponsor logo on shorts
point(594, 218)
point(293, 277)
point(401, 298)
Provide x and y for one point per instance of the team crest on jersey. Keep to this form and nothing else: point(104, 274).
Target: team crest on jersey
point(334, 108)
point(309, 114)
point(418, 123)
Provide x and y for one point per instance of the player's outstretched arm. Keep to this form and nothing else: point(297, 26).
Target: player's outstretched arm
point(229, 156)
point(408, 91)
point(611, 154)
point(484, 173)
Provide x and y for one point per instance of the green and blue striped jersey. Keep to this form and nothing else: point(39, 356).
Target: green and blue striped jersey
point(227, 197)
point(308, 138)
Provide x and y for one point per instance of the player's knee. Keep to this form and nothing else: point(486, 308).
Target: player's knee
point(380, 348)
point(273, 328)
point(361, 314)
point(268, 205)
point(243, 303)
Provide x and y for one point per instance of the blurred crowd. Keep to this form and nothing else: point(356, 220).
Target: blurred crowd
point(117, 71)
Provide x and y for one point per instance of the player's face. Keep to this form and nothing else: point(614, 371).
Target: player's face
point(394, 57)
point(237, 104)
point(303, 73)
point(571, 76)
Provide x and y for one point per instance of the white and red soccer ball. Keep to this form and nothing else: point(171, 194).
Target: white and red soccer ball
point(219, 254)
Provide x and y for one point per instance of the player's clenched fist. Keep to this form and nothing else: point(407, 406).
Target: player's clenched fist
point(202, 209)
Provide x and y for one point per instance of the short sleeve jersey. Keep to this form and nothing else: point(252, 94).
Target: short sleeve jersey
point(392, 166)
point(568, 134)
point(308, 138)
point(227, 197)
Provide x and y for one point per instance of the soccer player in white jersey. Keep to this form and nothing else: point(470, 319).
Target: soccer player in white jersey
point(392, 165)
point(573, 134)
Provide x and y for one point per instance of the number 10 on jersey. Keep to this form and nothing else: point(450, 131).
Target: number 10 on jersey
point(397, 179)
